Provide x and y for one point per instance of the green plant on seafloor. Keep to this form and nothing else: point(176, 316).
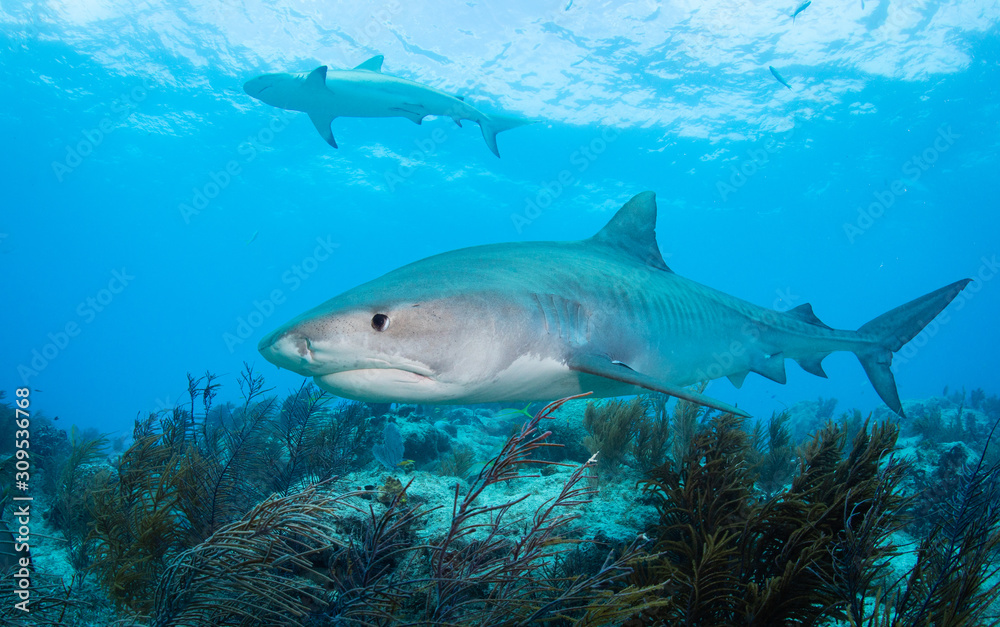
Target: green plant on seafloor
point(171, 490)
point(481, 572)
point(249, 572)
point(312, 441)
point(729, 558)
point(185, 533)
point(458, 462)
point(820, 550)
point(774, 460)
point(180, 536)
point(954, 582)
point(611, 428)
point(652, 434)
point(74, 499)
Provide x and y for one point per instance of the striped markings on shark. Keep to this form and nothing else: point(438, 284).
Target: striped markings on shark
point(365, 92)
point(541, 320)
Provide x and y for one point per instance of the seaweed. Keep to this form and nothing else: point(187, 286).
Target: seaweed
point(217, 521)
point(341, 442)
point(948, 586)
point(626, 432)
point(611, 427)
point(292, 449)
point(933, 503)
point(247, 572)
point(46, 607)
point(458, 462)
point(653, 434)
point(685, 424)
point(478, 571)
point(165, 494)
point(179, 539)
point(218, 483)
point(137, 526)
point(362, 571)
point(74, 499)
point(489, 567)
point(727, 556)
point(774, 462)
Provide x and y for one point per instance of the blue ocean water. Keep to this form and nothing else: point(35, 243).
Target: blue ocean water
point(157, 220)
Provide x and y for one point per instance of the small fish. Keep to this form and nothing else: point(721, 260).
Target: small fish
point(778, 76)
point(37, 390)
point(56, 418)
point(568, 5)
point(253, 237)
point(802, 7)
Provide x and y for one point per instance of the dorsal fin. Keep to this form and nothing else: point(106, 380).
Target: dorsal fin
point(805, 314)
point(372, 65)
point(633, 231)
point(317, 78)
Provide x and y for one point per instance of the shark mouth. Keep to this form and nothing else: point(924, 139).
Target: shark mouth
point(296, 352)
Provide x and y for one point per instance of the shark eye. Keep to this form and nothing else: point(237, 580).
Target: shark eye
point(380, 322)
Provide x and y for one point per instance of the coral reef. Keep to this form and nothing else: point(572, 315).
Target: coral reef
point(390, 452)
point(730, 558)
point(308, 510)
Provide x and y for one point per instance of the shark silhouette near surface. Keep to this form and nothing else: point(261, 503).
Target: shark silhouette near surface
point(543, 320)
point(365, 92)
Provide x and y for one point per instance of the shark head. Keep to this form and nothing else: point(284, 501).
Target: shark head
point(400, 339)
point(277, 90)
point(498, 322)
point(296, 92)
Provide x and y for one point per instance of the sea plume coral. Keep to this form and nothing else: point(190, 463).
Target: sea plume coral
point(729, 557)
point(248, 571)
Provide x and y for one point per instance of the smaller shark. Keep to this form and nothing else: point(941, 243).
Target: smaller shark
point(365, 92)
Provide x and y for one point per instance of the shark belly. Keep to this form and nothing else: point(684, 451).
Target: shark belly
point(528, 378)
point(378, 95)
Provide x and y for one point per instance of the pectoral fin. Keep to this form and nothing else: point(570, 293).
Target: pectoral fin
point(322, 123)
point(618, 371)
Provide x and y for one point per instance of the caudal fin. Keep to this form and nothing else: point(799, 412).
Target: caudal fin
point(493, 124)
point(892, 330)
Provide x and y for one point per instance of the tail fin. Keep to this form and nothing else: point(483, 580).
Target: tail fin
point(892, 330)
point(493, 124)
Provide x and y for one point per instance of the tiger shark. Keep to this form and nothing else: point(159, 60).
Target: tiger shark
point(542, 320)
point(365, 92)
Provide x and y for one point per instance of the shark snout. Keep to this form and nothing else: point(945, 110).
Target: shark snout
point(254, 87)
point(291, 350)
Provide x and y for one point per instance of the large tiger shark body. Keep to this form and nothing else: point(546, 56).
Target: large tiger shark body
point(365, 92)
point(543, 320)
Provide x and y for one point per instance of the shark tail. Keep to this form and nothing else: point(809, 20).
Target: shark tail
point(493, 124)
point(890, 331)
